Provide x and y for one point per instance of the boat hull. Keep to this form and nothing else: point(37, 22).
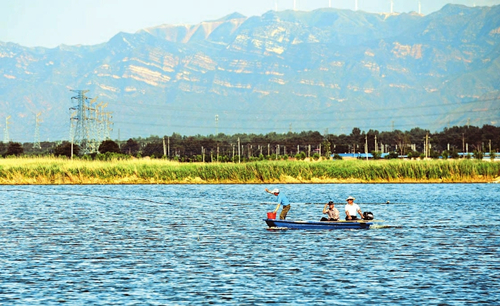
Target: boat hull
point(326, 225)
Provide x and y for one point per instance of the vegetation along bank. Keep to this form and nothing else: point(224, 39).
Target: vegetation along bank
point(52, 170)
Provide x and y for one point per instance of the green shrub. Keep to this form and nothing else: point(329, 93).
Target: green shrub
point(337, 157)
point(392, 155)
point(478, 155)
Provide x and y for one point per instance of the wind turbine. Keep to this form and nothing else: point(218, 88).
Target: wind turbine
point(355, 5)
point(392, 6)
point(329, 3)
point(419, 7)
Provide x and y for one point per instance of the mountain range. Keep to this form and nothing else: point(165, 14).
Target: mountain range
point(327, 69)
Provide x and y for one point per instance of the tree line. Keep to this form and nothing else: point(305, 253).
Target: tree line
point(244, 147)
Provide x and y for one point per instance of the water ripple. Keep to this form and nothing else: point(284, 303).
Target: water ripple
point(190, 244)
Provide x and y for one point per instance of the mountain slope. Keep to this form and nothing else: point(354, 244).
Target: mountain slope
point(325, 69)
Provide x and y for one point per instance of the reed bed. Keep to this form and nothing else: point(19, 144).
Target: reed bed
point(52, 170)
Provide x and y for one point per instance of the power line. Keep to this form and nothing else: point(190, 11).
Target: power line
point(323, 111)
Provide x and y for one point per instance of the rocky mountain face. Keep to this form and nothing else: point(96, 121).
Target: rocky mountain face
point(326, 69)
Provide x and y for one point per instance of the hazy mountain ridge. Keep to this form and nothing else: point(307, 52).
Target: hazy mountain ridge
point(315, 70)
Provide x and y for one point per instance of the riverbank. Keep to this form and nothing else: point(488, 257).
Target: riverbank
point(55, 171)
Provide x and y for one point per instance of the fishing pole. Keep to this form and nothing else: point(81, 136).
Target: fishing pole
point(86, 195)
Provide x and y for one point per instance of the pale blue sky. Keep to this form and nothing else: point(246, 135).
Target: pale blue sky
point(49, 23)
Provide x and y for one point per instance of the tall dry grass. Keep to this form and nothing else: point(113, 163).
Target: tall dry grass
point(52, 170)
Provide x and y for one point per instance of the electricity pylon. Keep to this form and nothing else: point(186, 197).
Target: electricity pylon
point(79, 122)
point(90, 125)
point(6, 138)
point(36, 142)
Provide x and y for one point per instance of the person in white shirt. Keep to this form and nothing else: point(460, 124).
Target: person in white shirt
point(351, 209)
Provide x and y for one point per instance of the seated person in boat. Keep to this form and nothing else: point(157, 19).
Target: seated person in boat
point(331, 211)
point(351, 209)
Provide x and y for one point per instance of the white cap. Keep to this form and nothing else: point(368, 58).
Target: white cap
point(350, 198)
point(275, 190)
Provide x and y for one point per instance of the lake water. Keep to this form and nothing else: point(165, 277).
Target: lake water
point(208, 244)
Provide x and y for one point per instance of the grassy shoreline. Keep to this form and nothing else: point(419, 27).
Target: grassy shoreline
point(57, 171)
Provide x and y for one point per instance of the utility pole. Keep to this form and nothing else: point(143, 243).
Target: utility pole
point(366, 146)
point(427, 145)
point(463, 145)
point(168, 147)
point(239, 154)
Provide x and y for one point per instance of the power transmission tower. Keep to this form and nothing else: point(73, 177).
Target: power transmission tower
point(216, 125)
point(107, 125)
point(36, 142)
point(90, 125)
point(79, 121)
point(6, 137)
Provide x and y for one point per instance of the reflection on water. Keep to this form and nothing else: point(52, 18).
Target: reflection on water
point(191, 244)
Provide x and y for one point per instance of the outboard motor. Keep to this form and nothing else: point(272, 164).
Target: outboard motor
point(367, 215)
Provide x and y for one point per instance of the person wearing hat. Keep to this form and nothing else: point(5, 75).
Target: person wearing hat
point(351, 209)
point(331, 211)
point(282, 200)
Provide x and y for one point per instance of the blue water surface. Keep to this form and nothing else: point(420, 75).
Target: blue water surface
point(208, 244)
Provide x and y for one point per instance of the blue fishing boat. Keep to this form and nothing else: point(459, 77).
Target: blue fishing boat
point(325, 225)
